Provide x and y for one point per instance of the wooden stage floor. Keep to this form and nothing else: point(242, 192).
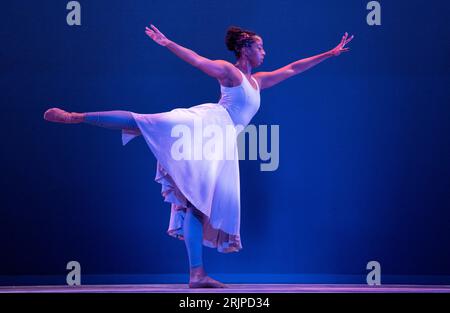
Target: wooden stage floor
point(232, 288)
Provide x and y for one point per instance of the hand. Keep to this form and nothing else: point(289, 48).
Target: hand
point(156, 35)
point(341, 46)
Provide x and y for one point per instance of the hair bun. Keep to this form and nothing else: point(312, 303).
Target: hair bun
point(237, 38)
point(232, 36)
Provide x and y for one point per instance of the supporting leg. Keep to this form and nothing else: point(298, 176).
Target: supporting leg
point(193, 237)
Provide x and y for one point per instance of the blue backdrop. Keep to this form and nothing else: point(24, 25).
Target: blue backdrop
point(364, 141)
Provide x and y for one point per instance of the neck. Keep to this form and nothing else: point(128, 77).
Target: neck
point(244, 66)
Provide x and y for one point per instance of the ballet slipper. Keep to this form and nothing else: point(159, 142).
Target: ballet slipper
point(60, 116)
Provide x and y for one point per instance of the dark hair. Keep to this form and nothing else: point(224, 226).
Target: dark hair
point(237, 38)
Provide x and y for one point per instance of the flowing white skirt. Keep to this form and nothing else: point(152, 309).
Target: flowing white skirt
point(197, 161)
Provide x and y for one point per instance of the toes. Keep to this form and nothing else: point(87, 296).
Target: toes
point(57, 115)
point(48, 114)
point(207, 282)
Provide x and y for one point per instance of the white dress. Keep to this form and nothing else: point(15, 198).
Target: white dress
point(211, 184)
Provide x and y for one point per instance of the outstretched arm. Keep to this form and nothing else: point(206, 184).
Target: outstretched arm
point(269, 79)
point(216, 68)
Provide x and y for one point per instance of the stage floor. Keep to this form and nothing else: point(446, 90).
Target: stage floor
point(232, 288)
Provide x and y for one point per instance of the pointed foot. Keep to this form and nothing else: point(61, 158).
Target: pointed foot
point(56, 115)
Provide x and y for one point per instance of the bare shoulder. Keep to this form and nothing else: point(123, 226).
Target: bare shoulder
point(231, 69)
point(233, 77)
point(259, 77)
point(224, 63)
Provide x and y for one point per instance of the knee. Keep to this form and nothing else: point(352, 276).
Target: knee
point(194, 212)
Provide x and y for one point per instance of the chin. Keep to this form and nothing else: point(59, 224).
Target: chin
point(258, 64)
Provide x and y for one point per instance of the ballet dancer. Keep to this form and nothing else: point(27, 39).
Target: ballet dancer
point(204, 193)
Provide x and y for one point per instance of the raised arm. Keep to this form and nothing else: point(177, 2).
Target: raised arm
point(215, 68)
point(269, 79)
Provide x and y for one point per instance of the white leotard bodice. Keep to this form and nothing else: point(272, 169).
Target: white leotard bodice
point(242, 102)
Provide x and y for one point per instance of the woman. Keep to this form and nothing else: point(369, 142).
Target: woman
point(204, 192)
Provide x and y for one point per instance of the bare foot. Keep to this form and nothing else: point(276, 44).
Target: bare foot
point(60, 116)
point(206, 282)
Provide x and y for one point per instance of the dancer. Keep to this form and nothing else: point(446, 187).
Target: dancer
point(204, 192)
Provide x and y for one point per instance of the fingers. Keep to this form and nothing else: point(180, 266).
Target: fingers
point(344, 38)
point(154, 28)
point(348, 40)
point(150, 32)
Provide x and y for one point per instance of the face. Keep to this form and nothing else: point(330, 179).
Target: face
point(255, 53)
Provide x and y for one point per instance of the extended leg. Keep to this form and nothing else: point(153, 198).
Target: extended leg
point(107, 119)
point(111, 119)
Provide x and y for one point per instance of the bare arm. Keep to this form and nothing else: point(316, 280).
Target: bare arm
point(215, 68)
point(269, 79)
